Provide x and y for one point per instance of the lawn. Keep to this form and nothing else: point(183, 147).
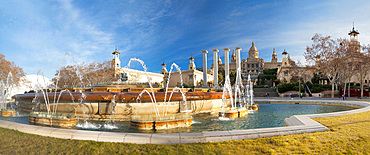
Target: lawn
point(349, 135)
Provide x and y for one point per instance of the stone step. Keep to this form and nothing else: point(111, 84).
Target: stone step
point(261, 92)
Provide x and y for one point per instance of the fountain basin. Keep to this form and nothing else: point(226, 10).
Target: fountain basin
point(234, 113)
point(8, 113)
point(57, 120)
point(255, 107)
point(242, 112)
point(98, 104)
point(151, 122)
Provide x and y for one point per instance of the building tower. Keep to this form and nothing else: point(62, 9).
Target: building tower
point(164, 69)
point(116, 61)
point(253, 52)
point(191, 64)
point(354, 44)
point(233, 57)
point(285, 61)
point(274, 57)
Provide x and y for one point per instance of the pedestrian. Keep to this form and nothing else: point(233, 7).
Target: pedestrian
point(343, 96)
point(291, 95)
point(346, 96)
point(301, 95)
point(268, 95)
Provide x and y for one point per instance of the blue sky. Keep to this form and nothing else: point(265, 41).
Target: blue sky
point(36, 34)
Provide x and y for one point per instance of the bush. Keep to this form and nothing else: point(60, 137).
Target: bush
point(260, 86)
point(294, 87)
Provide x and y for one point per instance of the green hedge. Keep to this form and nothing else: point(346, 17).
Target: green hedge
point(315, 88)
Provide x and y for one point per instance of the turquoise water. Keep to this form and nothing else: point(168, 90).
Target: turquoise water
point(269, 115)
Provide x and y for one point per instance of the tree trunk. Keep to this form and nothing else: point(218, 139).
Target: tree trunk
point(344, 89)
point(332, 90)
point(362, 89)
point(349, 89)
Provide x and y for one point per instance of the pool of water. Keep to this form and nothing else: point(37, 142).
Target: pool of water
point(269, 115)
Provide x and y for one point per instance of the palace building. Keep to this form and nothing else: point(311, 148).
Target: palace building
point(254, 65)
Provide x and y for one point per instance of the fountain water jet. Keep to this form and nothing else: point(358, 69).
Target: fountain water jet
point(164, 121)
point(6, 89)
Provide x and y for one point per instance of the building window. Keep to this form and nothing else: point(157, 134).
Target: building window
point(248, 66)
point(190, 77)
point(252, 71)
point(252, 65)
point(365, 81)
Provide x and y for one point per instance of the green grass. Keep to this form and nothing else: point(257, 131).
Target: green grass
point(349, 135)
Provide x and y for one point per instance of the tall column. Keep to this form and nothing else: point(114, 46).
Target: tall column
point(238, 69)
point(226, 61)
point(237, 49)
point(204, 68)
point(215, 68)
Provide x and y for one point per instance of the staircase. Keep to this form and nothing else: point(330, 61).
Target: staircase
point(261, 92)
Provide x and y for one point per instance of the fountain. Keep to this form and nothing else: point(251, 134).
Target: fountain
point(238, 106)
point(51, 117)
point(6, 88)
point(137, 102)
point(164, 121)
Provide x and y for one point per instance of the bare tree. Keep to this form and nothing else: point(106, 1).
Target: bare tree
point(362, 66)
point(6, 67)
point(300, 73)
point(327, 53)
point(83, 75)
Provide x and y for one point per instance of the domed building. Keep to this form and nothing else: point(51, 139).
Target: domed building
point(253, 65)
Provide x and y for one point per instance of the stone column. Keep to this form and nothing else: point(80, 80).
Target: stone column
point(226, 61)
point(215, 68)
point(238, 69)
point(237, 49)
point(204, 68)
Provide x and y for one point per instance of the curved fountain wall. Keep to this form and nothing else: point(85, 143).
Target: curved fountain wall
point(294, 125)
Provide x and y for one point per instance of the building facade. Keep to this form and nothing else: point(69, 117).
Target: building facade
point(253, 65)
point(132, 75)
point(190, 78)
point(354, 46)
